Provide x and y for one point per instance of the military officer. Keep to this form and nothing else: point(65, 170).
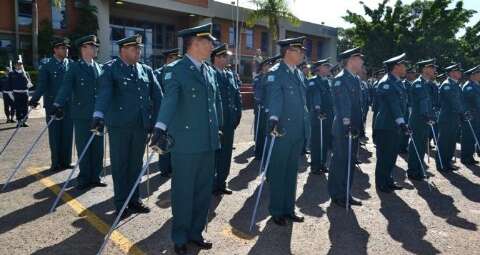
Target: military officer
point(260, 96)
point(232, 113)
point(7, 95)
point(288, 115)
point(365, 104)
point(452, 112)
point(390, 124)
point(321, 113)
point(80, 89)
point(50, 79)
point(471, 99)
point(19, 81)
point(422, 115)
point(407, 84)
point(378, 76)
point(347, 119)
point(170, 55)
point(192, 114)
point(129, 97)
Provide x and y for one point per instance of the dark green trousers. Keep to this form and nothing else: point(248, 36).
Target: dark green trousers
point(164, 163)
point(92, 162)
point(337, 177)
point(388, 146)
point(421, 133)
point(192, 181)
point(447, 141)
point(223, 159)
point(262, 126)
point(127, 145)
point(468, 140)
point(318, 159)
point(282, 174)
point(60, 138)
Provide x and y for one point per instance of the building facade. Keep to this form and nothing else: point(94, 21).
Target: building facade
point(158, 21)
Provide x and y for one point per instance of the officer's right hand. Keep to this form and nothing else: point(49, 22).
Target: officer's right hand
point(159, 140)
point(405, 129)
point(33, 104)
point(429, 119)
point(272, 125)
point(350, 130)
point(97, 125)
point(58, 112)
point(467, 116)
point(320, 114)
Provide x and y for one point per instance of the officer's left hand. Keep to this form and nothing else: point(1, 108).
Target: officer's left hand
point(320, 114)
point(58, 112)
point(272, 125)
point(405, 129)
point(159, 140)
point(467, 116)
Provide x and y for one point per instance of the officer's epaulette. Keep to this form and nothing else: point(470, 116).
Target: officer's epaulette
point(110, 62)
point(45, 60)
point(340, 74)
point(313, 78)
point(384, 78)
point(174, 63)
point(274, 67)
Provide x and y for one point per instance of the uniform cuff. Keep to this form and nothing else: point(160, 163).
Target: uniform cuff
point(161, 125)
point(317, 107)
point(98, 114)
point(273, 117)
point(346, 121)
point(399, 120)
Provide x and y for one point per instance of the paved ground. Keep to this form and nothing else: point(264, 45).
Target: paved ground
point(412, 221)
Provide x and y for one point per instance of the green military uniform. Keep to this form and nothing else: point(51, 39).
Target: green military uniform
point(232, 112)
point(392, 109)
point(192, 114)
point(379, 73)
point(451, 113)
point(60, 132)
point(471, 100)
point(80, 89)
point(129, 98)
point(164, 161)
point(288, 106)
point(320, 98)
point(348, 116)
point(422, 113)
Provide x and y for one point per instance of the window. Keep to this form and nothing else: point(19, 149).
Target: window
point(216, 31)
point(231, 37)
point(117, 33)
point(308, 46)
point(249, 39)
point(25, 12)
point(319, 49)
point(170, 37)
point(59, 19)
point(264, 42)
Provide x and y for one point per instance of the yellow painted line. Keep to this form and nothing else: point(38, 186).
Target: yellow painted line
point(117, 238)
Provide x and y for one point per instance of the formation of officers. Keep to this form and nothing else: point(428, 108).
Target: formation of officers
point(188, 111)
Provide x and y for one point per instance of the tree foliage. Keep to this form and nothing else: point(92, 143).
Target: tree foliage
point(423, 29)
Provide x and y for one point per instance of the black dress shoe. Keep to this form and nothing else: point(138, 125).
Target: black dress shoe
point(202, 244)
point(339, 202)
point(226, 191)
point(165, 174)
point(385, 189)
point(295, 218)
point(138, 207)
point(323, 169)
point(180, 249)
point(24, 125)
point(454, 167)
point(98, 184)
point(355, 202)
point(316, 172)
point(395, 186)
point(469, 162)
point(279, 220)
point(416, 177)
point(70, 166)
point(55, 169)
point(82, 186)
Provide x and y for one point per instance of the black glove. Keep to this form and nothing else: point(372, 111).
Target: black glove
point(97, 125)
point(33, 104)
point(58, 112)
point(159, 141)
point(429, 119)
point(272, 125)
point(349, 129)
point(466, 116)
point(405, 129)
point(320, 114)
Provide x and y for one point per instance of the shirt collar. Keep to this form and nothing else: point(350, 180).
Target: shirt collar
point(453, 79)
point(424, 78)
point(195, 62)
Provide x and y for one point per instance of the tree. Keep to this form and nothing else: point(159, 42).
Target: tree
point(423, 29)
point(273, 11)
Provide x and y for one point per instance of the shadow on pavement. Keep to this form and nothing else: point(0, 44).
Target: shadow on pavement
point(314, 194)
point(273, 240)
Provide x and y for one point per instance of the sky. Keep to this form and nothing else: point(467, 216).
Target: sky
point(331, 12)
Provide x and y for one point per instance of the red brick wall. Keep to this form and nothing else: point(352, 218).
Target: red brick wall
point(257, 30)
point(202, 3)
point(7, 21)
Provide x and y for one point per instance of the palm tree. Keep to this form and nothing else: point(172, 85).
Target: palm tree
point(273, 11)
point(57, 3)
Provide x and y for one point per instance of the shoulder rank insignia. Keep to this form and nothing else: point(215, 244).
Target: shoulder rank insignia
point(311, 83)
point(418, 86)
point(337, 83)
point(168, 76)
point(386, 86)
point(446, 87)
point(271, 78)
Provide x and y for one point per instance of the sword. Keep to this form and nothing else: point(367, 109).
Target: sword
point(473, 133)
point(420, 161)
point(349, 168)
point(77, 164)
point(262, 181)
point(117, 219)
point(258, 124)
point(19, 164)
point(428, 151)
point(15, 132)
point(321, 140)
point(436, 145)
point(263, 155)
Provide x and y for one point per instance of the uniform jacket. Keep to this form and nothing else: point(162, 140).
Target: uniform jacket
point(392, 103)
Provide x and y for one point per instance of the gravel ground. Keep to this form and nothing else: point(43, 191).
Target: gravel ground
point(412, 221)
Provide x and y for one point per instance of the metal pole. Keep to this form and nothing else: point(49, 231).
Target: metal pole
point(349, 169)
point(19, 164)
point(15, 132)
point(117, 219)
point(64, 187)
point(436, 145)
point(262, 181)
